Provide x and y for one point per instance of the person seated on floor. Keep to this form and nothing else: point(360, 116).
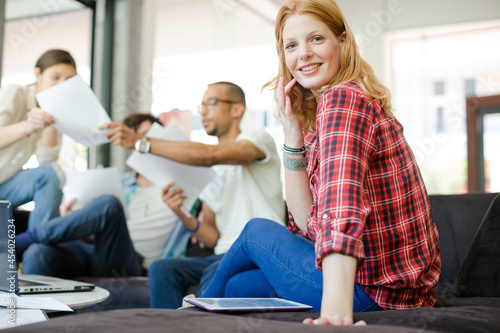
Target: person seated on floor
point(25, 130)
point(119, 247)
point(248, 185)
point(362, 235)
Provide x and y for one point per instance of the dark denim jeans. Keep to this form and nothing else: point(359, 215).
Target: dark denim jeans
point(61, 253)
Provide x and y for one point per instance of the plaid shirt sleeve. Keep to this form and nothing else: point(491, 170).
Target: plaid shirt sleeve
point(345, 144)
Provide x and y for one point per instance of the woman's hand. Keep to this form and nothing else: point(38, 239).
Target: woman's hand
point(338, 291)
point(335, 320)
point(38, 120)
point(291, 126)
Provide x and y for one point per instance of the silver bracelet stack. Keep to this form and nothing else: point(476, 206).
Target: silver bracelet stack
point(295, 164)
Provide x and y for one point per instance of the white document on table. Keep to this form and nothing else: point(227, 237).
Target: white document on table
point(76, 110)
point(39, 303)
point(90, 184)
point(11, 318)
point(161, 171)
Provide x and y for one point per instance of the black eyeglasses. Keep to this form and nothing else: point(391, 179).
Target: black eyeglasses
point(211, 102)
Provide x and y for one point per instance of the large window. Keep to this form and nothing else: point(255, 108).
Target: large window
point(433, 70)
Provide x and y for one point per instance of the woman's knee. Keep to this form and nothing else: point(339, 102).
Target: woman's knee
point(257, 225)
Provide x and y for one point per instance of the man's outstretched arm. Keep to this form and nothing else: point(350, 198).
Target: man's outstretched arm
point(187, 152)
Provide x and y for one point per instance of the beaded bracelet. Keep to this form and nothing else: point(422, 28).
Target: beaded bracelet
point(294, 164)
point(197, 227)
point(294, 151)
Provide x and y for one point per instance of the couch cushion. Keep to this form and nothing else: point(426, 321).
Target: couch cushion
point(457, 218)
point(479, 274)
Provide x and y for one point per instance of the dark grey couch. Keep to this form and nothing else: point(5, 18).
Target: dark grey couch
point(468, 290)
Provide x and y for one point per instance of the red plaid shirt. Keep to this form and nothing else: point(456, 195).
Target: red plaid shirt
point(370, 201)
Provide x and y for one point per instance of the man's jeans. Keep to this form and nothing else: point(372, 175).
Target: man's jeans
point(41, 185)
point(169, 278)
point(269, 261)
point(61, 253)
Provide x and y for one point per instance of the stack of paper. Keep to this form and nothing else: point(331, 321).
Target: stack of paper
point(90, 184)
point(161, 171)
point(16, 311)
point(76, 110)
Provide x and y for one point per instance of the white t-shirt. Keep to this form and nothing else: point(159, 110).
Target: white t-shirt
point(15, 102)
point(150, 224)
point(242, 192)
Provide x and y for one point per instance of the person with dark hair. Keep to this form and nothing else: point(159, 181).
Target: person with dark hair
point(361, 235)
point(25, 130)
point(140, 121)
point(118, 246)
point(248, 184)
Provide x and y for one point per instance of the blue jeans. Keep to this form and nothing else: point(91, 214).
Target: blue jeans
point(41, 185)
point(61, 253)
point(269, 261)
point(169, 278)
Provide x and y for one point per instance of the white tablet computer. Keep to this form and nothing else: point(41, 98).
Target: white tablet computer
point(246, 304)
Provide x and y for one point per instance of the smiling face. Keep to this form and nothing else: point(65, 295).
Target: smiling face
point(53, 75)
point(312, 51)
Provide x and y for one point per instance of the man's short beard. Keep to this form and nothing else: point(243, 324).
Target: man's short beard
point(213, 132)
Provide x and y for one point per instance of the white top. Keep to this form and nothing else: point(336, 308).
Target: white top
point(150, 224)
point(15, 102)
point(242, 192)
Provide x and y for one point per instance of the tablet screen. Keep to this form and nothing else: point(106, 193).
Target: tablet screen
point(247, 304)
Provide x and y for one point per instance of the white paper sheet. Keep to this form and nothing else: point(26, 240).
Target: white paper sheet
point(90, 184)
point(10, 318)
point(76, 110)
point(161, 171)
point(40, 303)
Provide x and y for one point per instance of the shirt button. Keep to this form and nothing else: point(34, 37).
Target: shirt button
point(325, 216)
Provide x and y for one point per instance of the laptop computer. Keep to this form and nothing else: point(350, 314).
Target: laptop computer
point(33, 284)
point(26, 283)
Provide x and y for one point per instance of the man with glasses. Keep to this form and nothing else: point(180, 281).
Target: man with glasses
point(248, 185)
